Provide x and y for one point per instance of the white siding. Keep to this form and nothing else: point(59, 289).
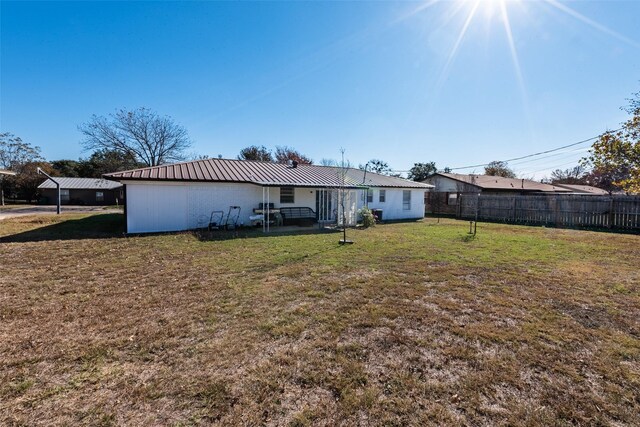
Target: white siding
point(176, 206)
point(392, 207)
point(153, 207)
point(444, 185)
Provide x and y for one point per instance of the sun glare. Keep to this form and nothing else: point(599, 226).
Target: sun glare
point(496, 13)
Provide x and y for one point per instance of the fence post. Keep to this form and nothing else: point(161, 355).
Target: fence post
point(611, 214)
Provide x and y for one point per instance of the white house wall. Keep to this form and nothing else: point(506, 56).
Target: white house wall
point(392, 207)
point(175, 206)
point(443, 184)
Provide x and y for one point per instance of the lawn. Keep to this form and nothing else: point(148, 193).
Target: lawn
point(414, 324)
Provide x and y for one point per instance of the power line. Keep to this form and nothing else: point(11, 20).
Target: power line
point(535, 154)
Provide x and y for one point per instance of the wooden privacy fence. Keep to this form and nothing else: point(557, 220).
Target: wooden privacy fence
point(610, 212)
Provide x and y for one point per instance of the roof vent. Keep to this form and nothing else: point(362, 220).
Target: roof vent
point(294, 164)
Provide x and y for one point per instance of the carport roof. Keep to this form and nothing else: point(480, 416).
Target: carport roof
point(263, 173)
point(81, 184)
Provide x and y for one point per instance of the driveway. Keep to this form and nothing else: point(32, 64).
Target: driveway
point(51, 210)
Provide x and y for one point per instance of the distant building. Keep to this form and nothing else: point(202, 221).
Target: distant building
point(584, 189)
point(82, 191)
point(448, 187)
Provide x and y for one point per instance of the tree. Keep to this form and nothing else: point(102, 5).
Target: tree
point(254, 152)
point(377, 166)
point(343, 196)
point(606, 179)
point(499, 168)
point(28, 179)
point(420, 171)
point(140, 134)
point(616, 154)
point(69, 168)
point(328, 162)
point(286, 154)
point(16, 155)
point(107, 161)
point(575, 175)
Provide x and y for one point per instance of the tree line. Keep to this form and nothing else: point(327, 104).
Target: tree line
point(129, 139)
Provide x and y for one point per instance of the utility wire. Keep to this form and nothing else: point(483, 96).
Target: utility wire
point(536, 154)
point(527, 156)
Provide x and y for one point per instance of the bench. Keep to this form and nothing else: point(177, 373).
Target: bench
point(298, 215)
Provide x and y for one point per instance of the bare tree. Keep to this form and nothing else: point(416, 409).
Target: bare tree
point(575, 175)
point(328, 162)
point(17, 155)
point(343, 194)
point(141, 134)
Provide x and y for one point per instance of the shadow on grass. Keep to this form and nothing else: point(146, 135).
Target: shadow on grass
point(108, 226)
point(102, 226)
point(247, 233)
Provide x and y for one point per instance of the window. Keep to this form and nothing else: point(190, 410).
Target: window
point(64, 195)
point(286, 195)
point(382, 197)
point(369, 196)
point(452, 199)
point(406, 200)
point(99, 196)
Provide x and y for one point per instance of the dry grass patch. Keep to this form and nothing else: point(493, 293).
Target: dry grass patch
point(412, 325)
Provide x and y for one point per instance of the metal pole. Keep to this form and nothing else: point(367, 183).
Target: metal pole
point(41, 172)
point(58, 204)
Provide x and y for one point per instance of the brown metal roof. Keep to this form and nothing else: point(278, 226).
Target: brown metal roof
point(262, 173)
point(488, 182)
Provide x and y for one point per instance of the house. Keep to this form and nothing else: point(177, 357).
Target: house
point(443, 199)
point(82, 191)
point(190, 195)
point(6, 172)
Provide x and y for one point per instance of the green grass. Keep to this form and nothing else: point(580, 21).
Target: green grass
point(414, 324)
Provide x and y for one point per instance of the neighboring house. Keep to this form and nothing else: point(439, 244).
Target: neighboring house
point(448, 187)
point(82, 191)
point(584, 189)
point(6, 172)
point(183, 196)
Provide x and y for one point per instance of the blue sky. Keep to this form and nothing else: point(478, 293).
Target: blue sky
point(376, 78)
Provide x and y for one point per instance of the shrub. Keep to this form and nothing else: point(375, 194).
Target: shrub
point(368, 220)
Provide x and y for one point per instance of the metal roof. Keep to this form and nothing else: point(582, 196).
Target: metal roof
point(585, 189)
point(488, 182)
point(262, 173)
point(81, 184)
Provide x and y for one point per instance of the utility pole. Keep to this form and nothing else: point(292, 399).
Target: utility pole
point(41, 172)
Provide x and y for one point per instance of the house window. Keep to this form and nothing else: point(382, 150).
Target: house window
point(369, 195)
point(452, 199)
point(406, 200)
point(286, 195)
point(99, 196)
point(382, 197)
point(64, 195)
